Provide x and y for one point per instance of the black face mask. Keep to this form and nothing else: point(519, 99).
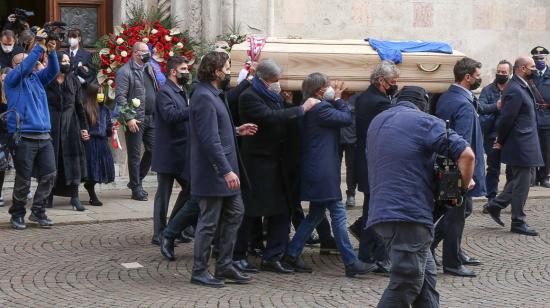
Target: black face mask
point(183, 78)
point(224, 84)
point(145, 57)
point(476, 84)
point(392, 90)
point(532, 75)
point(501, 79)
point(64, 68)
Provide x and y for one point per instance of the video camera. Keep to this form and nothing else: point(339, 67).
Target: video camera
point(448, 190)
point(56, 31)
point(22, 15)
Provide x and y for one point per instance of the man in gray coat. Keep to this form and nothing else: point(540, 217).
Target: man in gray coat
point(135, 93)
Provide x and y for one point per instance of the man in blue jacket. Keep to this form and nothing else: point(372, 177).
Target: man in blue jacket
point(459, 106)
point(519, 144)
point(401, 196)
point(215, 172)
point(170, 154)
point(34, 155)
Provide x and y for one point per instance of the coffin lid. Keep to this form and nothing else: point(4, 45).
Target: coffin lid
point(349, 60)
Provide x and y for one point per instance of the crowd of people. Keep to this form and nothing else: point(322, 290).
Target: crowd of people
point(247, 157)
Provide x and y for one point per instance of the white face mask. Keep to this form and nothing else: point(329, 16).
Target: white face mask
point(7, 48)
point(73, 42)
point(275, 87)
point(329, 94)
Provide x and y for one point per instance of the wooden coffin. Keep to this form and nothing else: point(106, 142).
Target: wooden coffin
point(349, 60)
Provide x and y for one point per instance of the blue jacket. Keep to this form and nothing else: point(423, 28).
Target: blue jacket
point(320, 166)
point(171, 151)
point(391, 50)
point(212, 141)
point(401, 173)
point(488, 99)
point(457, 105)
point(26, 94)
point(82, 55)
point(517, 130)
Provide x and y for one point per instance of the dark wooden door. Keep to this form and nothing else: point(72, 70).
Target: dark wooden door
point(93, 17)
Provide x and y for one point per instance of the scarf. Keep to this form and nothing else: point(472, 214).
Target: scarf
point(262, 89)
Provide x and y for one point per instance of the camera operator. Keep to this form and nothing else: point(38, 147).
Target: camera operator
point(34, 155)
point(8, 48)
point(17, 21)
point(401, 178)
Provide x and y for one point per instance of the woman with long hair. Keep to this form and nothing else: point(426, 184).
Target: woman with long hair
point(99, 159)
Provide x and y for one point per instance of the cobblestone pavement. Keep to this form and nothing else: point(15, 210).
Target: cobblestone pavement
point(80, 266)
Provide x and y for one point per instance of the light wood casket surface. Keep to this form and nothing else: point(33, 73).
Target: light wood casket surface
point(349, 60)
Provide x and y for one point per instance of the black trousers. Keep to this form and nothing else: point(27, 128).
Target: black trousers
point(138, 165)
point(162, 200)
point(371, 246)
point(544, 139)
point(413, 275)
point(347, 150)
point(33, 158)
point(278, 228)
point(450, 230)
point(220, 218)
point(515, 192)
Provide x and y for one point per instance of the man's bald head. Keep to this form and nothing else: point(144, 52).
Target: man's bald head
point(17, 59)
point(138, 50)
point(525, 67)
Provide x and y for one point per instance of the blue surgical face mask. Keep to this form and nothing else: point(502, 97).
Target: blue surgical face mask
point(540, 64)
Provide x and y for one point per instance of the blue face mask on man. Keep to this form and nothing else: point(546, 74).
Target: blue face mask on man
point(540, 64)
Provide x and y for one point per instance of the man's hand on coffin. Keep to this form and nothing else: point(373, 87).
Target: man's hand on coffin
point(339, 88)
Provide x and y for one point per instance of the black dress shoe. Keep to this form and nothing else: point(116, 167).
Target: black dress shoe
point(206, 279)
point(461, 271)
point(359, 268)
point(494, 212)
point(232, 274)
point(329, 247)
point(545, 184)
point(167, 248)
point(355, 230)
point(244, 266)
point(18, 223)
point(523, 228)
point(467, 260)
point(139, 195)
point(276, 267)
point(485, 210)
point(297, 264)
point(155, 240)
point(42, 220)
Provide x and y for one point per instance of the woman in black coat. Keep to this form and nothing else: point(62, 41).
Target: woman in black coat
point(262, 154)
point(69, 129)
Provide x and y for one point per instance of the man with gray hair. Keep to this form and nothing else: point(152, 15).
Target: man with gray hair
point(136, 86)
point(377, 98)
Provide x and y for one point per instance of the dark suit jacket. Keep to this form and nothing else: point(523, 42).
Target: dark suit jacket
point(517, 130)
point(457, 105)
point(213, 143)
point(320, 177)
point(367, 106)
point(171, 151)
point(82, 55)
point(263, 154)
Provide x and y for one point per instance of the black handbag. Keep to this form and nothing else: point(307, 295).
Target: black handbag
point(7, 144)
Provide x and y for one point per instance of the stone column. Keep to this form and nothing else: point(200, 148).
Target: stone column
point(189, 15)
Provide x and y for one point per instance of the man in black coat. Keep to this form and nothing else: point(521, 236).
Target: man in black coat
point(519, 144)
point(263, 156)
point(8, 48)
point(369, 104)
point(171, 153)
point(215, 172)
